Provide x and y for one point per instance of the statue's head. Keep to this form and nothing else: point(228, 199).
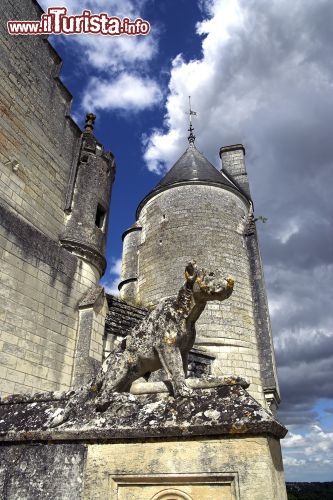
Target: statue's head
point(208, 284)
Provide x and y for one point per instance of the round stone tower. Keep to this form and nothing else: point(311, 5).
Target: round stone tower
point(87, 216)
point(197, 212)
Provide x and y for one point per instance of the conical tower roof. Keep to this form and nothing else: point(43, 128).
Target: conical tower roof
point(191, 168)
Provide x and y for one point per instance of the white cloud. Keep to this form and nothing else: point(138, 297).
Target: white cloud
point(116, 267)
point(106, 52)
point(224, 15)
point(293, 440)
point(254, 73)
point(111, 282)
point(120, 8)
point(294, 462)
point(115, 53)
point(294, 299)
point(203, 80)
point(121, 62)
point(159, 143)
point(307, 454)
point(126, 92)
point(290, 227)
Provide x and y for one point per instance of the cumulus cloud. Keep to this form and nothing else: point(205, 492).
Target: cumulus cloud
point(265, 79)
point(104, 52)
point(125, 92)
point(119, 64)
point(111, 281)
point(300, 299)
point(159, 144)
point(257, 72)
point(308, 454)
point(116, 53)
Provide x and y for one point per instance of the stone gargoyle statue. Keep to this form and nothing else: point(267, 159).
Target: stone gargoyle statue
point(163, 339)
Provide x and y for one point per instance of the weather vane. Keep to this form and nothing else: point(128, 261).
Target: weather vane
point(191, 137)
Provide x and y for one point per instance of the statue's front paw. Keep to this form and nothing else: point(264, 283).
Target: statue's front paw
point(184, 391)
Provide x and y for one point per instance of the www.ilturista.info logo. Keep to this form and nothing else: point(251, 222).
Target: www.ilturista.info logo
point(57, 22)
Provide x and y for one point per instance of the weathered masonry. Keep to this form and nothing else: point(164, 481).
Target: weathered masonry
point(55, 185)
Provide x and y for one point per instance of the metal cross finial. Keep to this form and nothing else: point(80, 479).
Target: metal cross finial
point(191, 137)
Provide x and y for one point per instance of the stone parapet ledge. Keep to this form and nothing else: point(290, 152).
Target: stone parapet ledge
point(216, 411)
point(138, 387)
point(207, 382)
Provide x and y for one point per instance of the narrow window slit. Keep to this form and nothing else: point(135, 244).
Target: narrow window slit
point(100, 217)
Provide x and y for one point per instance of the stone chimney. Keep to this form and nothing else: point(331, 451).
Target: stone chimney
point(233, 164)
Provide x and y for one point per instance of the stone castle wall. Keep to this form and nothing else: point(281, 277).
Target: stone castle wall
point(36, 131)
point(40, 286)
point(41, 282)
point(193, 219)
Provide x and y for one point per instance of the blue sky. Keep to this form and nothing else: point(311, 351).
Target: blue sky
point(259, 73)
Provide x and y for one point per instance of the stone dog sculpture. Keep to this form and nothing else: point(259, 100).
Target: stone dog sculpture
point(162, 340)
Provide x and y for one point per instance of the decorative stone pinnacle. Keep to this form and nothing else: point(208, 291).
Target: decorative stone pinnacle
point(90, 120)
